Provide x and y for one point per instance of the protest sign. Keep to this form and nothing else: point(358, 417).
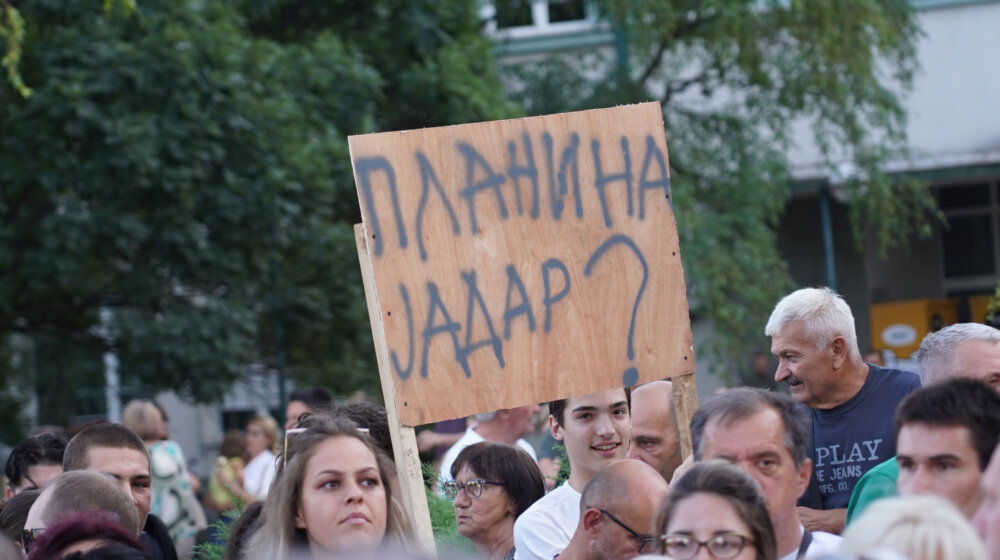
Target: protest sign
point(521, 261)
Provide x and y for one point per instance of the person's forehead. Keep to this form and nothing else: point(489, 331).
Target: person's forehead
point(978, 358)
point(602, 400)
point(793, 333)
point(929, 439)
point(121, 461)
point(44, 472)
point(761, 431)
point(650, 412)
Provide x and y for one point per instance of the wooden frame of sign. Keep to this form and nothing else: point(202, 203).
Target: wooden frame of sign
point(514, 262)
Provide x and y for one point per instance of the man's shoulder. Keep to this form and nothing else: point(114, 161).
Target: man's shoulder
point(528, 448)
point(156, 539)
point(896, 378)
point(550, 505)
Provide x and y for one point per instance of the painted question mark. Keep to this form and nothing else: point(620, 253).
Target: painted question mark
point(631, 375)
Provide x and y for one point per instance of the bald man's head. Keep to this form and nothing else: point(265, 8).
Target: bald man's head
point(617, 510)
point(654, 438)
point(78, 491)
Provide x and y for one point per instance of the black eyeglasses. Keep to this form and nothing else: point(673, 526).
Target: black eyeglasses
point(473, 488)
point(28, 537)
point(643, 539)
point(726, 545)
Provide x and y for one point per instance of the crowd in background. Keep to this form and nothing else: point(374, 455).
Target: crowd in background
point(852, 460)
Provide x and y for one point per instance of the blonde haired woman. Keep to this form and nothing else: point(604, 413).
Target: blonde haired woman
point(331, 497)
point(261, 437)
point(918, 527)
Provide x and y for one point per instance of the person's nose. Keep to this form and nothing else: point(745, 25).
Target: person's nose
point(703, 554)
point(604, 426)
point(462, 499)
point(782, 372)
point(917, 483)
point(353, 492)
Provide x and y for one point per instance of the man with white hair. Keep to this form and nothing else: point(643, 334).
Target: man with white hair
point(970, 350)
point(852, 403)
point(505, 426)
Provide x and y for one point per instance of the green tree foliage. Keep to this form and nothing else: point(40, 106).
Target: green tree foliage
point(184, 165)
point(734, 77)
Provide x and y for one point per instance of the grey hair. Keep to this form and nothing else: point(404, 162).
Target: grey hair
point(937, 359)
point(738, 404)
point(486, 416)
point(823, 314)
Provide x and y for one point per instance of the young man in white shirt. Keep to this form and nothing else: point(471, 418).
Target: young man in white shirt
point(595, 431)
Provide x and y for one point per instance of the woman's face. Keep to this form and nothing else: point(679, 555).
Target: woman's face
point(343, 504)
point(257, 440)
point(486, 518)
point(703, 516)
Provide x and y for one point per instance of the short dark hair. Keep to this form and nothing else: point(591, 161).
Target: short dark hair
point(314, 397)
point(116, 436)
point(43, 449)
point(509, 464)
point(733, 485)
point(557, 408)
point(969, 403)
point(735, 405)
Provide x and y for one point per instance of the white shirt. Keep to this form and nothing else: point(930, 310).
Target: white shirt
point(259, 473)
point(823, 544)
point(466, 440)
point(547, 526)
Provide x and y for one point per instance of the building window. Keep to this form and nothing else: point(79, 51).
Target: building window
point(524, 18)
point(969, 241)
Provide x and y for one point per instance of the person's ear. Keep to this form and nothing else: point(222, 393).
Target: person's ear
point(555, 428)
point(839, 348)
point(8, 493)
point(300, 522)
point(591, 521)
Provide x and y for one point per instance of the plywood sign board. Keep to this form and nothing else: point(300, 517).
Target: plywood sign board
point(523, 261)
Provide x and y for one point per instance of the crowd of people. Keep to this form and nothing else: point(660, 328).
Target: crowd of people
point(854, 460)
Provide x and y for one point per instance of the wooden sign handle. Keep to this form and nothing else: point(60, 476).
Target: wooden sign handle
point(404, 441)
point(685, 403)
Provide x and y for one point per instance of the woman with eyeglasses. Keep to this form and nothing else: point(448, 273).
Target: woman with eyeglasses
point(330, 496)
point(716, 511)
point(493, 484)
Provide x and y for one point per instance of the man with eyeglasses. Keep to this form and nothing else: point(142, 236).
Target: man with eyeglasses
point(75, 492)
point(616, 511)
point(767, 435)
point(851, 403)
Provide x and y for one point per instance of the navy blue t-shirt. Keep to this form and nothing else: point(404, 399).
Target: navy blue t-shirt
point(850, 439)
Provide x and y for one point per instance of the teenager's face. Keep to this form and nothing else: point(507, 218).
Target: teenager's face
point(343, 505)
point(939, 460)
point(595, 431)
